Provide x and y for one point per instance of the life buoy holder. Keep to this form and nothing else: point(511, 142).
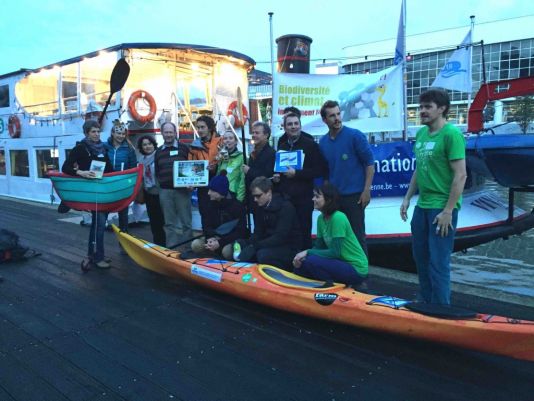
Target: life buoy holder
point(13, 126)
point(232, 110)
point(141, 94)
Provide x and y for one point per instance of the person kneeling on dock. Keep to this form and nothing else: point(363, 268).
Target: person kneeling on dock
point(277, 234)
point(222, 208)
point(337, 256)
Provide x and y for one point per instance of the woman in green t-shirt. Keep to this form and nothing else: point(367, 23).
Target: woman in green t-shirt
point(337, 255)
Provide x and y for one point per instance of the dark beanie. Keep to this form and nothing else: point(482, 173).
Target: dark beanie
point(220, 183)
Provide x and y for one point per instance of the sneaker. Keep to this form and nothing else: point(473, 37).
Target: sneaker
point(103, 265)
point(237, 251)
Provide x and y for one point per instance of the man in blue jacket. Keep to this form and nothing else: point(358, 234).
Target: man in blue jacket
point(351, 167)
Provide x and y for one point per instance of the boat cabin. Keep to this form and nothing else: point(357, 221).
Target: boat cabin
point(42, 110)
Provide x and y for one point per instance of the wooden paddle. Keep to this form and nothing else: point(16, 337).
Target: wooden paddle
point(119, 75)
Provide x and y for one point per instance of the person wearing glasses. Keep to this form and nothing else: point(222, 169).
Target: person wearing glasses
point(261, 160)
point(277, 235)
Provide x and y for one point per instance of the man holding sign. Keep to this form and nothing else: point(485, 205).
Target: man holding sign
point(297, 182)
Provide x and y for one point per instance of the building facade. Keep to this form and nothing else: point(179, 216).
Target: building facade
point(507, 52)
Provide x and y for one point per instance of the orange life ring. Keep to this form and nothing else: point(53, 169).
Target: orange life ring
point(141, 94)
point(13, 125)
point(232, 110)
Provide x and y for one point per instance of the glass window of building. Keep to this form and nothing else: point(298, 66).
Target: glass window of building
point(20, 165)
point(2, 162)
point(47, 160)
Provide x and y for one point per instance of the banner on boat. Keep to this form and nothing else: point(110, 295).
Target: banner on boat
point(368, 102)
point(394, 166)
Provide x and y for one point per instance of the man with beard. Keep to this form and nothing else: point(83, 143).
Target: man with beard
point(351, 167)
point(439, 176)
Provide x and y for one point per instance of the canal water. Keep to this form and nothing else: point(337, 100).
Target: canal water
point(505, 265)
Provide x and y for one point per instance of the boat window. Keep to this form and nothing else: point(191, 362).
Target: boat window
point(20, 166)
point(38, 92)
point(2, 162)
point(47, 160)
point(94, 75)
point(4, 96)
point(69, 88)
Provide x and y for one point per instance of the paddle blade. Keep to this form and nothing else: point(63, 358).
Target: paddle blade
point(119, 75)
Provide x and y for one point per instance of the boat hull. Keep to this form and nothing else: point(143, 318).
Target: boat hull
point(482, 218)
point(112, 193)
point(506, 159)
point(273, 287)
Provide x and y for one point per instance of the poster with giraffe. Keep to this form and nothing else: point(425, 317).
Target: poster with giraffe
point(368, 102)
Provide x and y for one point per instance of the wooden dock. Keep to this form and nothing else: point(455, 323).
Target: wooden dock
point(129, 334)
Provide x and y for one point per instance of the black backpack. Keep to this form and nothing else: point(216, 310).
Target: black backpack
point(10, 249)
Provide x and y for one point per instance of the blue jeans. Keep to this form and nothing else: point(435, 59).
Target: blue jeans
point(324, 269)
point(98, 219)
point(432, 255)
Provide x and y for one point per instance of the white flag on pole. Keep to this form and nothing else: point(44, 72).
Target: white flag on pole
point(400, 51)
point(456, 74)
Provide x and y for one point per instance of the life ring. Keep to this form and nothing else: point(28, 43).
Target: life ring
point(140, 94)
point(13, 125)
point(232, 110)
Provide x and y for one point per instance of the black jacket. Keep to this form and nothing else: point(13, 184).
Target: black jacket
point(301, 185)
point(80, 158)
point(223, 211)
point(261, 165)
point(277, 225)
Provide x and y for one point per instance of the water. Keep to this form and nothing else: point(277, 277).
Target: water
point(505, 265)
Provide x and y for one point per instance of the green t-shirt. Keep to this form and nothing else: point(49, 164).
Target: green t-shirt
point(433, 154)
point(338, 226)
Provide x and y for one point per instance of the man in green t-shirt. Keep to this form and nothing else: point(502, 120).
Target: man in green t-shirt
point(439, 176)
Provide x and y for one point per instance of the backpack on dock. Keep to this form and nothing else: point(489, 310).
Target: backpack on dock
point(10, 249)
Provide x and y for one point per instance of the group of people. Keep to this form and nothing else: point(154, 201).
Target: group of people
point(282, 203)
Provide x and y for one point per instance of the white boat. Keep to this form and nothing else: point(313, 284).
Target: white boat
point(42, 110)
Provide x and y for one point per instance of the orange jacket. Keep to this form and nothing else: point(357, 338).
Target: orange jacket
point(209, 153)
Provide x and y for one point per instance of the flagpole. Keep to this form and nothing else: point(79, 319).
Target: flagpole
point(404, 75)
point(469, 100)
point(272, 60)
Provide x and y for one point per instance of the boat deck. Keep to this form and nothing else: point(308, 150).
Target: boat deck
point(129, 334)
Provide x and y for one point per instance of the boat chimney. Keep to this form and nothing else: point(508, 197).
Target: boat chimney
point(294, 53)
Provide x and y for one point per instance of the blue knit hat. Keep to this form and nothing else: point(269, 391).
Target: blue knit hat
point(220, 183)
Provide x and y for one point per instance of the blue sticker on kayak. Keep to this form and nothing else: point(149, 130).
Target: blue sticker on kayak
point(391, 302)
point(206, 273)
point(216, 261)
point(243, 264)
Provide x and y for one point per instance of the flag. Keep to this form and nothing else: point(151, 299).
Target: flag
point(400, 50)
point(456, 74)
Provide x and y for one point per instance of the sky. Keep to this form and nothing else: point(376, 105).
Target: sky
point(35, 33)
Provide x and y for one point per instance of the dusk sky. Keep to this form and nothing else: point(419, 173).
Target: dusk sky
point(36, 33)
